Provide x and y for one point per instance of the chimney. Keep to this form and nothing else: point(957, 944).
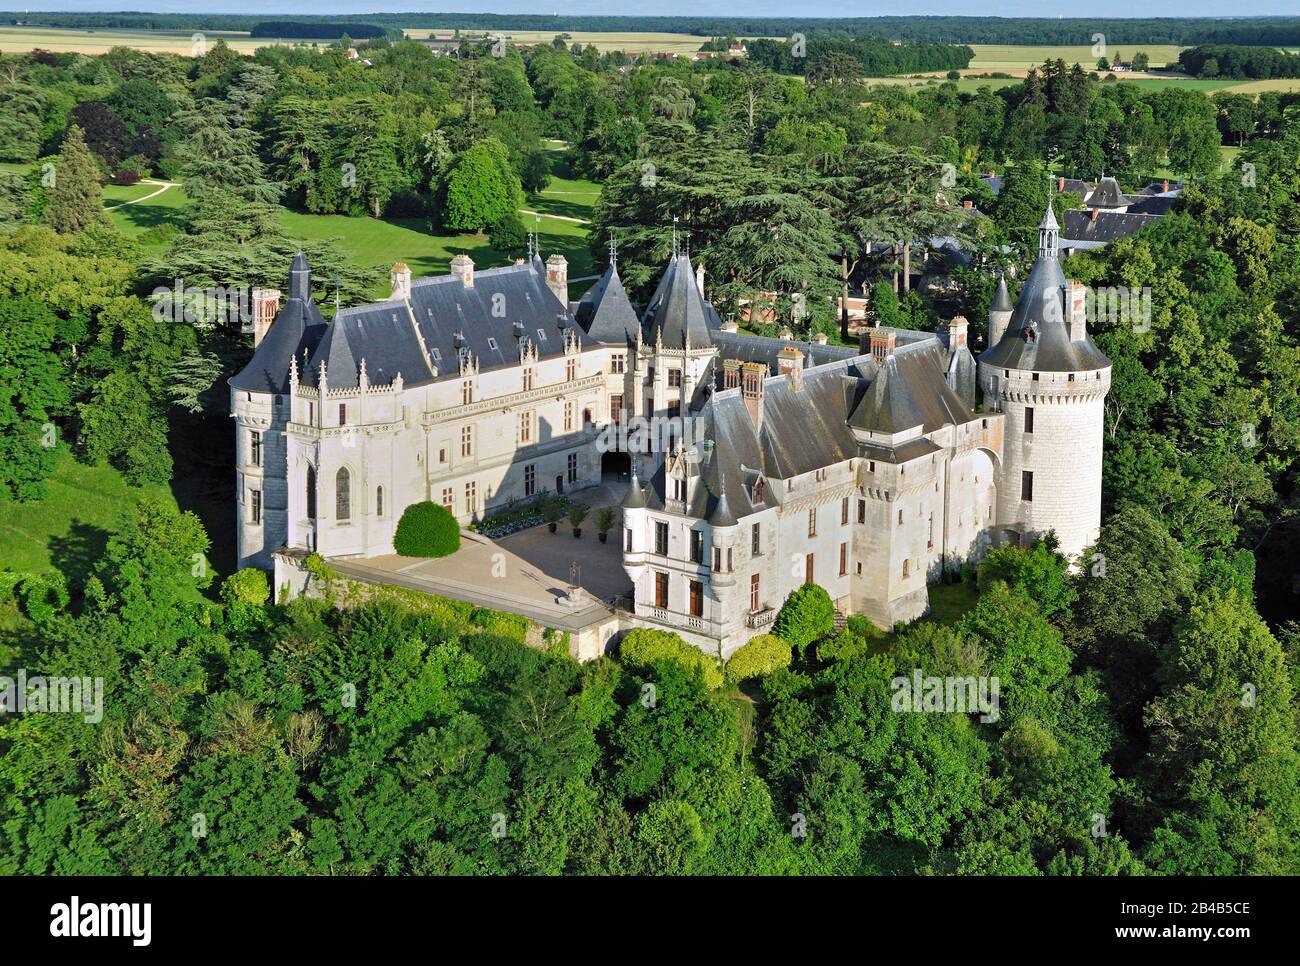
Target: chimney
point(957, 333)
point(266, 306)
point(882, 343)
point(1060, 186)
point(462, 266)
point(730, 373)
point(967, 203)
point(1076, 310)
point(789, 362)
point(731, 325)
point(1093, 216)
point(400, 280)
point(820, 338)
point(557, 278)
point(752, 375)
point(699, 278)
point(1166, 184)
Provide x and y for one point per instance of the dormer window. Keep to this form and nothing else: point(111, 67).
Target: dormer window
point(679, 490)
point(492, 343)
point(758, 491)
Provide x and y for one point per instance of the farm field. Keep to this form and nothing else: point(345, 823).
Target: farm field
point(17, 39)
point(631, 42)
point(1013, 57)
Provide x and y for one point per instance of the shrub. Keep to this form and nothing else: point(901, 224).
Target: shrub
point(762, 655)
point(426, 530)
point(807, 615)
point(43, 595)
point(247, 586)
point(642, 647)
point(605, 518)
point(577, 513)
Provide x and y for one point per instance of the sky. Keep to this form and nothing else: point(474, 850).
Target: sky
point(756, 8)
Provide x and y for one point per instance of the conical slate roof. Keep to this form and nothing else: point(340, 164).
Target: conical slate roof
point(1037, 337)
point(677, 311)
point(606, 313)
point(1107, 195)
point(1002, 298)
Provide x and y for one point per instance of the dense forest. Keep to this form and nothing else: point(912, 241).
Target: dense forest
point(1271, 31)
point(1224, 60)
point(1147, 722)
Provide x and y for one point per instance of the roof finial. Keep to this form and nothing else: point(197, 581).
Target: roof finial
point(613, 250)
point(674, 236)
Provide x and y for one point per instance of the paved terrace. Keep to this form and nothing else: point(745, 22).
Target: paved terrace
point(526, 573)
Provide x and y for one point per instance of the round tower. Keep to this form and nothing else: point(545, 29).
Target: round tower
point(1049, 379)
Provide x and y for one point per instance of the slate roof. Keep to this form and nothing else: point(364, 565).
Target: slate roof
point(756, 348)
point(1160, 204)
point(1037, 337)
point(606, 313)
point(448, 316)
point(806, 429)
point(677, 310)
point(1106, 227)
point(1001, 298)
point(1107, 195)
point(908, 391)
point(298, 326)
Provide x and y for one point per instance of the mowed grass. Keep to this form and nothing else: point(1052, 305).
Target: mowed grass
point(69, 529)
point(65, 40)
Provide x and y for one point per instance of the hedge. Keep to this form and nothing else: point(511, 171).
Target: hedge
point(642, 647)
point(761, 655)
point(426, 530)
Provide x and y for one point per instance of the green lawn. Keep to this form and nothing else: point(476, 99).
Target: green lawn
point(67, 530)
point(949, 602)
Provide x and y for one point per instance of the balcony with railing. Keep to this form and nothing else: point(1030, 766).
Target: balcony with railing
point(760, 618)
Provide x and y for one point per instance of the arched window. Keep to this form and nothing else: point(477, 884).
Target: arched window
point(311, 492)
point(342, 495)
point(379, 501)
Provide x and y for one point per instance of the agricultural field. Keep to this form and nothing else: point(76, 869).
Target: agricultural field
point(20, 39)
point(1009, 57)
point(630, 42)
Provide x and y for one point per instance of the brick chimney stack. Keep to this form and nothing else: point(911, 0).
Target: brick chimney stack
point(462, 266)
point(752, 375)
point(266, 306)
point(882, 342)
point(557, 278)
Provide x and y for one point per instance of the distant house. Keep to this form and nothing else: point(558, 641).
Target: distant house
point(704, 55)
point(737, 50)
point(352, 53)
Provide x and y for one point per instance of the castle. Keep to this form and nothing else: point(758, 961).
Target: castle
point(865, 470)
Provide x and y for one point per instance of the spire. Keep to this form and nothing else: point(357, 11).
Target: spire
point(1047, 233)
point(722, 515)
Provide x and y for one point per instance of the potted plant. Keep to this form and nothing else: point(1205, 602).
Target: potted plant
point(605, 518)
point(552, 513)
point(577, 513)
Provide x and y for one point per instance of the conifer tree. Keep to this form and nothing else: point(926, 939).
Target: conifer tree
point(75, 199)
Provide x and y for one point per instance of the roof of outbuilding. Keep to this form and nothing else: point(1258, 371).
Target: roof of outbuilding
point(1107, 195)
point(1107, 226)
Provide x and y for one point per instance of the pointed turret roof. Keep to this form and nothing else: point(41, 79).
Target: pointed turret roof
point(1001, 298)
point(635, 499)
point(677, 311)
point(606, 313)
point(1038, 337)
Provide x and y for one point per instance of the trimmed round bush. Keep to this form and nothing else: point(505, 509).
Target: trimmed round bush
point(761, 655)
point(247, 586)
point(642, 647)
point(806, 616)
point(426, 530)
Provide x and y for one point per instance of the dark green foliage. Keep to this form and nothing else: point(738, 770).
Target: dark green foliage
point(426, 530)
point(806, 616)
